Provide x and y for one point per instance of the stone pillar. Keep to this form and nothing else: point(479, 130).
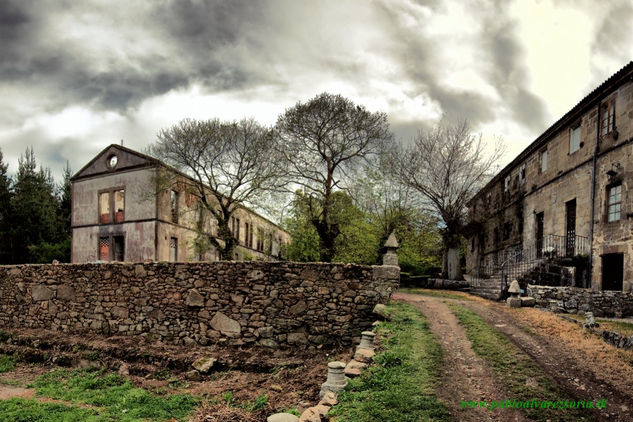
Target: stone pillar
point(336, 380)
point(386, 277)
point(391, 257)
point(367, 340)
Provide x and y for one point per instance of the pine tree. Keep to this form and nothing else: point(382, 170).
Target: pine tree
point(5, 213)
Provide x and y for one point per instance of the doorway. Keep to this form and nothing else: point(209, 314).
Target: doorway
point(540, 217)
point(570, 230)
point(612, 271)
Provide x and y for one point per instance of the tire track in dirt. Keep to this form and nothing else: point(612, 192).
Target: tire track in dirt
point(568, 367)
point(465, 376)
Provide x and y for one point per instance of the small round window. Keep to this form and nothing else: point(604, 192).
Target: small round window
point(112, 161)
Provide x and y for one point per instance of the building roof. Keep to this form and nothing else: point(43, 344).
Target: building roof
point(623, 75)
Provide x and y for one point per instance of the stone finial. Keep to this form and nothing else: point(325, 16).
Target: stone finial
point(336, 380)
point(514, 289)
point(390, 257)
point(392, 242)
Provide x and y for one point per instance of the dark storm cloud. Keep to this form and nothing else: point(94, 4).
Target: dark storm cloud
point(612, 37)
point(507, 69)
point(197, 33)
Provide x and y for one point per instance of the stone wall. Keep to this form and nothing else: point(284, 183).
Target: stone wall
point(274, 304)
point(578, 301)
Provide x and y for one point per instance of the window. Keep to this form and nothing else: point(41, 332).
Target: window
point(260, 239)
point(112, 206)
point(173, 197)
point(119, 205)
point(522, 175)
point(247, 234)
point(112, 248)
point(237, 229)
point(574, 139)
point(607, 117)
point(614, 202)
point(506, 185)
point(104, 207)
point(173, 249)
point(543, 161)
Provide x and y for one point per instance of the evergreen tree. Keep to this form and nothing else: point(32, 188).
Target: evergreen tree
point(5, 213)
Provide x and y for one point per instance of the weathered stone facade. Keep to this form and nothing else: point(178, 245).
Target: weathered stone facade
point(553, 200)
point(272, 304)
point(116, 208)
point(576, 300)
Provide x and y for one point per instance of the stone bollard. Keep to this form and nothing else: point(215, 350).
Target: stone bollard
point(367, 340)
point(336, 380)
point(514, 301)
point(590, 321)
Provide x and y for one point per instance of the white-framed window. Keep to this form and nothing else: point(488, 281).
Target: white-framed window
point(574, 139)
point(614, 202)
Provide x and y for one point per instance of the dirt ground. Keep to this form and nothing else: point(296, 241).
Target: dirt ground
point(583, 365)
point(289, 378)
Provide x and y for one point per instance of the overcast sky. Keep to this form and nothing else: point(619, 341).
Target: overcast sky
point(76, 76)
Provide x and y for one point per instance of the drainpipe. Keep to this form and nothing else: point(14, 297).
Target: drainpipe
point(593, 198)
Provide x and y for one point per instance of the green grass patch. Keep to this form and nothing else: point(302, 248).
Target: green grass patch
point(400, 387)
point(7, 363)
point(113, 397)
point(24, 410)
point(434, 293)
point(523, 379)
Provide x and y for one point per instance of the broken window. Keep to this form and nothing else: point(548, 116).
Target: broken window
point(118, 250)
point(614, 202)
point(543, 161)
point(104, 249)
point(607, 117)
point(119, 205)
point(522, 175)
point(506, 186)
point(173, 249)
point(173, 198)
point(104, 207)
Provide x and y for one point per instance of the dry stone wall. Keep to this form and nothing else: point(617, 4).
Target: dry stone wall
point(576, 300)
point(273, 304)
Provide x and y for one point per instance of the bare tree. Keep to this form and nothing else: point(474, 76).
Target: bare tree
point(447, 166)
point(232, 164)
point(321, 143)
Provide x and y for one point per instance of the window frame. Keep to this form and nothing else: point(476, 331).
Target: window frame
point(543, 153)
point(111, 251)
point(174, 206)
point(609, 204)
point(111, 212)
point(573, 129)
point(607, 114)
point(173, 238)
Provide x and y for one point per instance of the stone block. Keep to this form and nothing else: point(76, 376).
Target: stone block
point(225, 325)
point(329, 399)
point(364, 355)
point(40, 292)
point(65, 292)
point(528, 301)
point(514, 302)
point(381, 311)
point(354, 368)
point(297, 338)
point(314, 413)
point(204, 364)
point(282, 417)
point(194, 299)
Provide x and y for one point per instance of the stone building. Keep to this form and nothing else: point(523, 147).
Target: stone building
point(117, 216)
point(563, 202)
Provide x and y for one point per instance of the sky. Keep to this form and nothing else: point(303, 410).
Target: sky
point(76, 76)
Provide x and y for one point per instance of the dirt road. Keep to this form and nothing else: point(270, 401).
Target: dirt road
point(581, 365)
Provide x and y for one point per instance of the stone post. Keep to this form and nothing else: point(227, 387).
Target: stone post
point(367, 340)
point(386, 277)
point(391, 257)
point(336, 380)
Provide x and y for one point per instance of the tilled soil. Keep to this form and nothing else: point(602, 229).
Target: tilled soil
point(583, 365)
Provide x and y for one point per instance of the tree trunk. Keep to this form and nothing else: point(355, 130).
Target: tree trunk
point(451, 266)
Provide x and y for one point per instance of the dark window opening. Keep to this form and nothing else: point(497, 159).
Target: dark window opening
point(173, 197)
point(612, 271)
point(173, 249)
point(118, 250)
point(540, 218)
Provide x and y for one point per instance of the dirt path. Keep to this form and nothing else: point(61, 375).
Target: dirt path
point(466, 376)
point(583, 366)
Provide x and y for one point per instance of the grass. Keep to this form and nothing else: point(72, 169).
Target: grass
point(7, 363)
point(435, 293)
point(622, 327)
point(96, 396)
point(523, 379)
point(400, 387)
